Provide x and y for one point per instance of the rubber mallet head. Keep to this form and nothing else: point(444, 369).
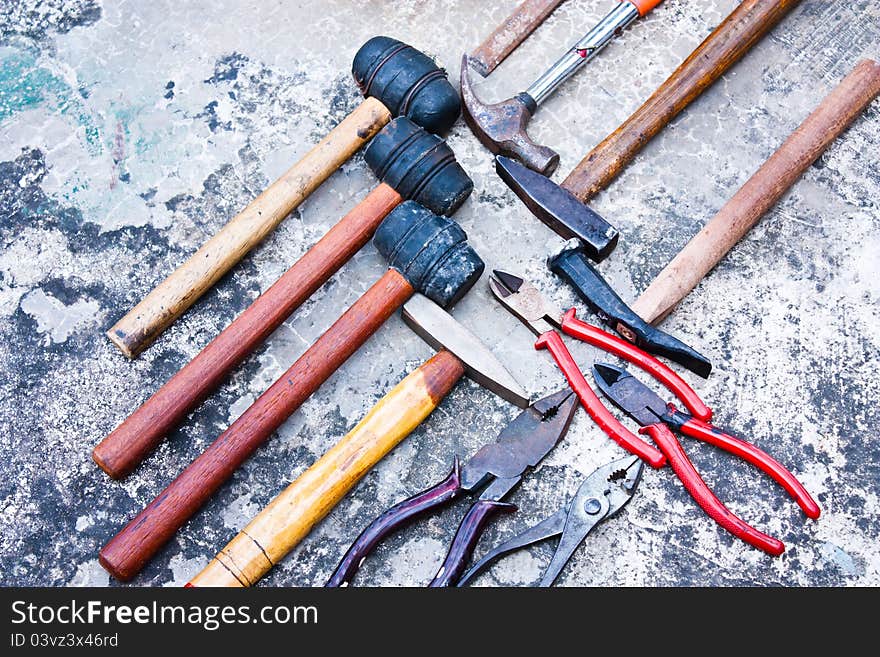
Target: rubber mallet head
point(419, 166)
point(430, 251)
point(407, 82)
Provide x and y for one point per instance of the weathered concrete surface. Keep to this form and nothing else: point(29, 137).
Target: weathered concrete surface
point(129, 132)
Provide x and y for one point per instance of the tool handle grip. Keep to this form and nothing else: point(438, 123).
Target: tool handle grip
point(595, 336)
point(393, 519)
point(573, 266)
point(721, 49)
point(644, 6)
point(759, 458)
point(760, 192)
point(127, 553)
point(289, 518)
point(552, 341)
point(171, 298)
point(123, 449)
point(466, 539)
point(703, 496)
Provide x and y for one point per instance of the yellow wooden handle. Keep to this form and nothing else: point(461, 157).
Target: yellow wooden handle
point(288, 518)
point(134, 332)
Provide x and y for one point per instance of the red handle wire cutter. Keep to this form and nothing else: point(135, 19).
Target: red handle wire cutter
point(528, 304)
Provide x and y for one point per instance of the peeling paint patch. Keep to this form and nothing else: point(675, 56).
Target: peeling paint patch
point(56, 319)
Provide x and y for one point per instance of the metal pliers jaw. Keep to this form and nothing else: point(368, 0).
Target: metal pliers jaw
point(601, 496)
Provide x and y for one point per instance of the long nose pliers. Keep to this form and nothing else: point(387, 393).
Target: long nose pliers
point(601, 496)
point(494, 471)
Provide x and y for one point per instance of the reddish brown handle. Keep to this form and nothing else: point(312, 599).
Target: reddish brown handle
point(123, 449)
point(703, 495)
point(750, 21)
point(130, 549)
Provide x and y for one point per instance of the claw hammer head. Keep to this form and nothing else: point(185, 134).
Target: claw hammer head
point(502, 127)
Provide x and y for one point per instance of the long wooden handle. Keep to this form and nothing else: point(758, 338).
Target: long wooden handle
point(187, 283)
point(513, 31)
point(761, 191)
point(128, 444)
point(131, 548)
point(727, 43)
point(279, 527)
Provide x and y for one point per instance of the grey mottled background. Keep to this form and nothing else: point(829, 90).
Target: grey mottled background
point(130, 132)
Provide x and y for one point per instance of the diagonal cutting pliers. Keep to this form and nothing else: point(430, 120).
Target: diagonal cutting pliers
point(527, 303)
point(601, 496)
point(659, 419)
point(494, 471)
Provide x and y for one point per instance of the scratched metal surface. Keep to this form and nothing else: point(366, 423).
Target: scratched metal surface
point(129, 132)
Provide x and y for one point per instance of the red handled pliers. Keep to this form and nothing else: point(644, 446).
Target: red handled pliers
point(527, 303)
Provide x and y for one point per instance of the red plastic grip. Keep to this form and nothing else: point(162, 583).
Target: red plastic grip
point(552, 341)
point(644, 6)
point(704, 497)
point(757, 457)
point(595, 336)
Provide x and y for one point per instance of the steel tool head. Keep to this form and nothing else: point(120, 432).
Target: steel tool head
point(520, 446)
point(525, 302)
point(629, 394)
point(617, 481)
point(430, 251)
point(502, 126)
point(559, 209)
point(419, 166)
point(408, 83)
point(440, 330)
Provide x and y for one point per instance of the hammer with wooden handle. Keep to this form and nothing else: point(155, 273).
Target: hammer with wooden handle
point(281, 525)
point(426, 253)
point(397, 80)
point(760, 192)
point(412, 164)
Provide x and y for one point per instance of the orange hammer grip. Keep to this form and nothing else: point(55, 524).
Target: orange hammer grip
point(644, 6)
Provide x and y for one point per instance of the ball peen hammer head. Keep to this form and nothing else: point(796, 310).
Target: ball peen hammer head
point(440, 330)
point(502, 127)
point(419, 166)
point(430, 251)
point(407, 82)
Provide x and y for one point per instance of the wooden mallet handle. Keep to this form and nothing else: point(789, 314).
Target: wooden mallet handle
point(280, 526)
point(131, 548)
point(138, 435)
point(168, 300)
point(838, 109)
point(727, 43)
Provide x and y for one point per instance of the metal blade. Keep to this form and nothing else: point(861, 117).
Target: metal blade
point(524, 301)
point(629, 394)
point(558, 208)
point(438, 328)
point(521, 445)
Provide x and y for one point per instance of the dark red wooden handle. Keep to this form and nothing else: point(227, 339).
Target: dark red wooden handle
point(123, 449)
point(127, 553)
point(595, 408)
point(754, 455)
point(702, 494)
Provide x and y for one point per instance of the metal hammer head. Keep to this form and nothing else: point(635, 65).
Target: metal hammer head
point(408, 83)
point(430, 251)
point(440, 330)
point(502, 126)
point(419, 166)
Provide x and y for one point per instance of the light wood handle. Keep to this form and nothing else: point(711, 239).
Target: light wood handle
point(280, 526)
point(137, 329)
point(513, 31)
point(727, 43)
point(761, 191)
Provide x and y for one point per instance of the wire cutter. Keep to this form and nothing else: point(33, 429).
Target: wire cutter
point(659, 420)
point(601, 496)
point(494, 471)
point(527, 303)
